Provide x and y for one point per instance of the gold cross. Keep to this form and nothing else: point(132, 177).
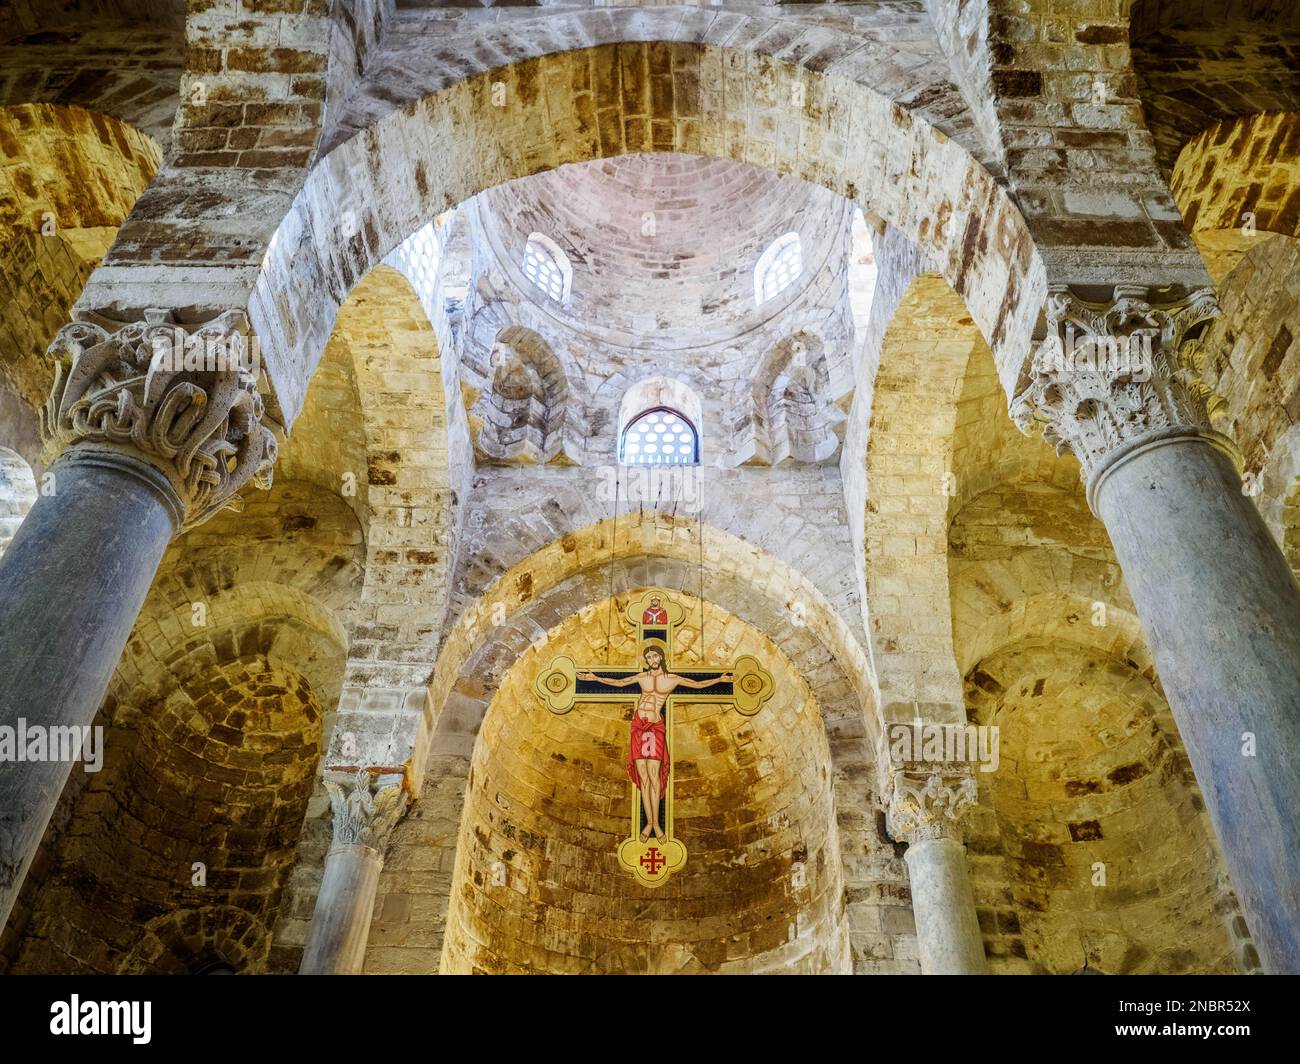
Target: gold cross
point(651, 852)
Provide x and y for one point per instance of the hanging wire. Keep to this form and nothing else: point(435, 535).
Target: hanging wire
point(613, 540)
point(700, 522)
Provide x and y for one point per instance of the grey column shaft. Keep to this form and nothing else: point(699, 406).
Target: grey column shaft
point(340, 925)
point(947, 928)
point(71, 585)
point(1221, 610)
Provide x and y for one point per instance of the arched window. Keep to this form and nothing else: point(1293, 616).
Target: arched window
point(421, 252)
point(548, 267)
point(17, 493)
point(660, 436)
point(862, 272)
point(778, 267)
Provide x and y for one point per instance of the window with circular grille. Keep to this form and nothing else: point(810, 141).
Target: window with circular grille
point(660, 436)
point(548, 267)
point(778, 268)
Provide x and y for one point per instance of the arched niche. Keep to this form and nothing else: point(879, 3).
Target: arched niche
point(519, 406)
point(790, 416)
point(536, 886)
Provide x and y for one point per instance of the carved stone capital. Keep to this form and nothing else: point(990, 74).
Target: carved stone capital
point(1110, 376)
point(366, 808)
point(929, 807)
point(182, 398)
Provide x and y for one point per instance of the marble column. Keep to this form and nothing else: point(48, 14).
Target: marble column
point(925, 813)
point(139, 448)
point(366, 808)
point(1117, 383)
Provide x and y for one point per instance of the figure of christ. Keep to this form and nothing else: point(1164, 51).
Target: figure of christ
point(647, 756)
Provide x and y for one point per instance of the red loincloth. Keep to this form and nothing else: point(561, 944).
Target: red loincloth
point(649, 743)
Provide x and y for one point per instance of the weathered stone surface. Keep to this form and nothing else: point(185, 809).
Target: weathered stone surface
point(360, 180)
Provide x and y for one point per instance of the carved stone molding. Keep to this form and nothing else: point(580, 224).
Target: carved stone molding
point(1110, 376)
point(182, 398)
point(366, 808)
point(929, 807)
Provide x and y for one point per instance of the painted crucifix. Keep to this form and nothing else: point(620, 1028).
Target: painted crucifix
point(651, 852)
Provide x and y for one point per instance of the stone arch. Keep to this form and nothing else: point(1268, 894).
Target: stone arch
point(284, 625)
point(1041, 814)
point(505, 617)
point(387, 396)
point(296, 536)
point(504, 523)
point(214, 764)
point(1025, 555)
point(754, 798)
point(1092, 782)
point(580, 567)
point(1239, 171)
point(69, 168)
point(288, 571)
point(214, 724)
point(1044, 815)
point(523, 410)
point(1014, 560)
point(63, 54)
point(71, 176)
point(454, 143)
point(1025, 539)
point(385, 337)
point(1198, 66)
point(335, 80)
point(1051, 652)
point(174, 943)
point(791, 407)
point(838, 691)
point(1017, 521)
point(938, 436)
point(1061, 614)
point(909, 481)
point(513, 617)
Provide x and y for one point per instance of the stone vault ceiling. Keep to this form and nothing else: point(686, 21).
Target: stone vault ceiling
point(663, 246)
